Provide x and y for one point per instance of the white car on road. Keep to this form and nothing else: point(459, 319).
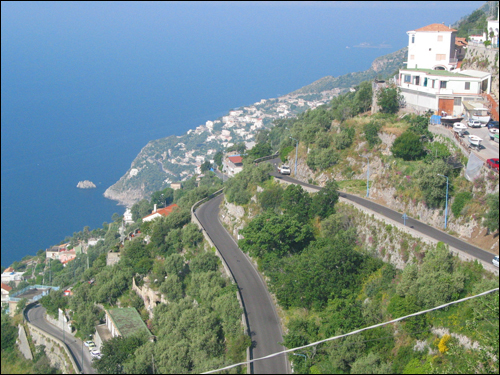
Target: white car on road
point(495, 261)
point(284, 169)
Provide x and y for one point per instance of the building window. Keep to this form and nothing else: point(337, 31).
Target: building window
point(440, 56)
point(442, 84)
point(425, 82)
point(416, 80)
point(440, 38)
point(412, 57)
point(467, 85)
point(407, 78)
point(457, 102)
point(413, 38)
point(432, 85)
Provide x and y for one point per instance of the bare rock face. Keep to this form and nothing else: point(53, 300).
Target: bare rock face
point(86, 185)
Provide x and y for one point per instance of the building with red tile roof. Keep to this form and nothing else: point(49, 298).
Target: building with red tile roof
point(162, 212)
point(232, 164)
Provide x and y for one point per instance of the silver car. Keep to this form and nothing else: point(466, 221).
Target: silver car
point(474, 124)
point(495, 261)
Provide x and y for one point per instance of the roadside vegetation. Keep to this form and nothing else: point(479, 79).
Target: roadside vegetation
point(327, 282)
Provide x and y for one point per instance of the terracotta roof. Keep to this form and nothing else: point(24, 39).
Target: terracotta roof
point(435, 27)
point(236, 159)
point(461, 42)
point(8, 269)
point(6, 287)
point(163, 211)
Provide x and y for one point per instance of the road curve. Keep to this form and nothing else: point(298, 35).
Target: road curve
point(425, 229)
point(36, 316)
point(263, 321)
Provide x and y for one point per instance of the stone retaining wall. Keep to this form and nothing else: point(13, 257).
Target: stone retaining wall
point(58, 354)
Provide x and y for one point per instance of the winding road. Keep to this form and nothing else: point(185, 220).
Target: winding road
point(36, 316)
point(262, 318)
point(416, 225)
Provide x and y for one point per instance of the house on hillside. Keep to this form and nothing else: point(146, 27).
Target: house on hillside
point(125, 322)
point(431, 80)
point(232, 164)
point(162, 212)
point(9, 275)
point(5, 293)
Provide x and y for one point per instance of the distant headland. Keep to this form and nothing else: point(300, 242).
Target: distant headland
point(86, 185)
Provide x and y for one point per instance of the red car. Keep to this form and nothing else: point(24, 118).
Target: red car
point(492, 163)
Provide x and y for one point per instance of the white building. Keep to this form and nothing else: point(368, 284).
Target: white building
point(493, 28)
point(127, 216)
point(430, 81)
point(432, 47)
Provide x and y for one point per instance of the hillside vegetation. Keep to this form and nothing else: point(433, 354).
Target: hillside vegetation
point(329, 279)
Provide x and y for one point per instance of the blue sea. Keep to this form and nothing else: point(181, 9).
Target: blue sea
point(85, 86)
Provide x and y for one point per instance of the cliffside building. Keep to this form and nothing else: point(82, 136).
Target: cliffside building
point(431, 80)
point(157, 213)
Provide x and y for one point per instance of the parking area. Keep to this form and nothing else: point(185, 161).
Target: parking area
point(490, 148)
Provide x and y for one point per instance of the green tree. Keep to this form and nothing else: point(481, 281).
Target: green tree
point(297, 202)
point(204, 262)
point(270, 198)
point(432, 185)
point(172, 287)
point(218, 159)
point(205, 166)
point(371, 130)
point(323, 202)
point(363, 96)
point(259, 150)
point(491, 217)
point(175, 265)
point(54, 301)
point(277, 234)
point(388, 99)
point(115, 352)
point(9, 333)
point(408, 146)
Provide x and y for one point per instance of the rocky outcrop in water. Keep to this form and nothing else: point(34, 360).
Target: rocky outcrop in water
point(86, 185)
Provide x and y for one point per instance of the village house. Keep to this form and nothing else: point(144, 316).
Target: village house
point(5, 293)
point(232, 164)
point(157, 213)
point(127, 216)
point(9, 275)
point(431, 81)
point(125, 322)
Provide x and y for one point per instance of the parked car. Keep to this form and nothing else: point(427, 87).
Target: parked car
point(492, 163)
point(495, 261)
point(87, 343)
point(91, 346)
point(474, 124)
point(284, 169)
point(95, 354)
point(493, 124)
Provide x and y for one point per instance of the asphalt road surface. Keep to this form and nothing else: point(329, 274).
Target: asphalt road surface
point(396, 216)
point(263, 321)
point(35, 315)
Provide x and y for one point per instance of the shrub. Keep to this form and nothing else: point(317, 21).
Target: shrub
point(460, 201)
point(408, 146)
point(371, 130)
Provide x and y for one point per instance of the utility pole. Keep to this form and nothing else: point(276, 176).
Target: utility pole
point(367, 177)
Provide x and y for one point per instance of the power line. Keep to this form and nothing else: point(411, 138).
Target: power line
point(353, 332)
